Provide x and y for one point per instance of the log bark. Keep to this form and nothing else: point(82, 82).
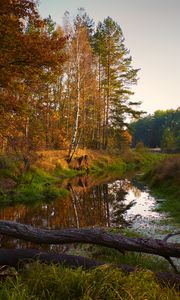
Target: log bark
point(16, 257)
point(91, 236)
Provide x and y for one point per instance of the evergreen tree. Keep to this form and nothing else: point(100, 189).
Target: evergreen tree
point(162, 129)
point(116, 75)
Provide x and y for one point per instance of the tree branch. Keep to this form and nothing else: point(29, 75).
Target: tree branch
point(92, 236)
point(170, 235)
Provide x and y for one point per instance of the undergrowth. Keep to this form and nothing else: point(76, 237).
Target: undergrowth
point(44, 282)
point(109, 255)
point(104, 167)
point(146, 160)
point(36, 185)
point(63, 173)
point(32, 187)
point(164, 180)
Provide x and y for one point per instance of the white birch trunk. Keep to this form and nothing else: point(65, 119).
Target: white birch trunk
point(74, 145)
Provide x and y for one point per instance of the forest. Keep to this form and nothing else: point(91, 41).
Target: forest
point(58, 83)
point(87, 208)
point(160, 130)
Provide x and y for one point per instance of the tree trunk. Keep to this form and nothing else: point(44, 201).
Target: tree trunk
point(74, 142)
point(92, 236)
point(99, 112)
point(15, 257)
point(107, 104)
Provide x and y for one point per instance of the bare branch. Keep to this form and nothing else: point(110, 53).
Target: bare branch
point(170, 235)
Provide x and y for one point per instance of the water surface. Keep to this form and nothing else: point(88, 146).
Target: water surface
point(106, 202)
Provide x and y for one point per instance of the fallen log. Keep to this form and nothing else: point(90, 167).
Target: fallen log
point(14, 257)
point(17, 257)
point(92, 236)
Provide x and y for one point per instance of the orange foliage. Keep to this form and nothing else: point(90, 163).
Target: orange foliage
point(127, 136)
point(29, 56)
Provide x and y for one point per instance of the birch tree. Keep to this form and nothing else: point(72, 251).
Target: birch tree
point(80, 65)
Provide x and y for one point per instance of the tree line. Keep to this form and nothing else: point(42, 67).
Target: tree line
point(161, 129)
point(63, 87)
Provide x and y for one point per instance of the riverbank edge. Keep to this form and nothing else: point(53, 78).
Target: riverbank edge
point(36, 180)
point(42, 180)
point(164, 182)
point(104, 282)
point(98, 167)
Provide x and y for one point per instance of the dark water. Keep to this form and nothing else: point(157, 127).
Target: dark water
point(109, 202)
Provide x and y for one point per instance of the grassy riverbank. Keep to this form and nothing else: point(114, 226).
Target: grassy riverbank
point(41, 180)
point(164, 180)
point(50, 282)
point(113, 256)
point(43, 282)
point(30, 188)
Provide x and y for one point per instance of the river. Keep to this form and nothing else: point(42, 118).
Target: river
point(120, 202)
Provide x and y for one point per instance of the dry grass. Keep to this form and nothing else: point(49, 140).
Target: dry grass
point(168, 169)
point(48, 160)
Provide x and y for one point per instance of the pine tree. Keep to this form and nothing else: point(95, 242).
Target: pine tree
point(116, 76)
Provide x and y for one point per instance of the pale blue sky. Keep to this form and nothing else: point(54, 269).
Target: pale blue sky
point(152, 34)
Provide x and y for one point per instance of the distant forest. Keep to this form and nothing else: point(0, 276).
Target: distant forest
point(61, 87)
point(162, 129)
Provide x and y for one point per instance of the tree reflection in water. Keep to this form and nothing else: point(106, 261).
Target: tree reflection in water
point(88, 204)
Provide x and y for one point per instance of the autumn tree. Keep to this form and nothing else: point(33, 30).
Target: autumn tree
point(28, 53)
point(62, 88)
point(79, 79)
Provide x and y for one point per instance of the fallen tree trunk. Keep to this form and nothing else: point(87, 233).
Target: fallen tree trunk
point(92, 236)
point(15, 257)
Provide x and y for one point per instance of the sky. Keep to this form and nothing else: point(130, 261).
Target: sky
point(152, 34)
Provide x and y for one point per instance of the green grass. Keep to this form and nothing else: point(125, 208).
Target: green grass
point(171, 195)
point(47, 282)
point(66, 173)
point(144, 261)
point(164, 180)
point(118, 166)
point(34, 186)
point(43, 282)
point(104, 167)
point(146, 160)
point(37, 186)
point(105, 254)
